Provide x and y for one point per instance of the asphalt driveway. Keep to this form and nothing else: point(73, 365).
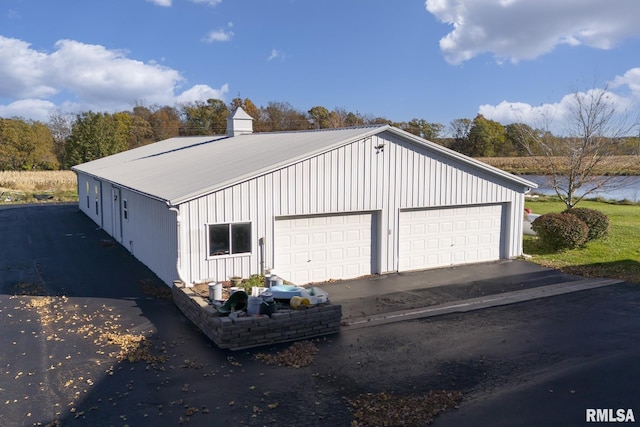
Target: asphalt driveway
point(89, 340)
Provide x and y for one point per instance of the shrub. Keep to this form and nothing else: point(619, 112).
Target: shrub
point(597, 222)
point(560, 231)
point(254, 280)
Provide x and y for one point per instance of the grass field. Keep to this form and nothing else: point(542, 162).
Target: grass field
point(616, 256)
point(22, 186)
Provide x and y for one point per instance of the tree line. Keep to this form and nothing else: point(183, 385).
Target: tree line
point(66, 140)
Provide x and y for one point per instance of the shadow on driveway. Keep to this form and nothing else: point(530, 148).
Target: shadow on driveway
point(88, 340)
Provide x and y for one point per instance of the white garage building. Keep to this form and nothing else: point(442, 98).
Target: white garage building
point(314, 205)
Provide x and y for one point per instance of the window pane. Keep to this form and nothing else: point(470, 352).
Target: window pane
point(219, 239)
point(241, 238)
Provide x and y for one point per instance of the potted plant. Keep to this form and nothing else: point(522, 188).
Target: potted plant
point(254, 281)
point(235, 281)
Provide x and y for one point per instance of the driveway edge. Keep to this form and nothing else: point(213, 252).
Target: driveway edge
point(479, 303)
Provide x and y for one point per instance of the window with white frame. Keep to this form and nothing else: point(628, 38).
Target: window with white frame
point(125, 209)
point(229, 239)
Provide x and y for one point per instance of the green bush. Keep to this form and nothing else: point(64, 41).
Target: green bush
point(253, 280)
point(597, 222)
point(560, 231)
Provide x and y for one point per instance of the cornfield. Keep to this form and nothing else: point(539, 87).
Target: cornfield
point(38, 180)
point(22, 186)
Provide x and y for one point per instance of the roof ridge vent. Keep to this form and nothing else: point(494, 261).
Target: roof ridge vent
point(239, 123)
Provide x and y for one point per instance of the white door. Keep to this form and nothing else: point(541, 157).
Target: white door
point(320, 248)
point(441, 237)
point(116, 214)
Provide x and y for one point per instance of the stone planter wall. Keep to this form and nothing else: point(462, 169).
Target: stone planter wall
point(252, 331)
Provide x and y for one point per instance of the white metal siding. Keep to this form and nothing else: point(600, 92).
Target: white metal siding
point(94, 187)
point(385, 173)
point(150, 234)
point(352, 178)
point(441, 237)
point(346, 179)
point(319, 248)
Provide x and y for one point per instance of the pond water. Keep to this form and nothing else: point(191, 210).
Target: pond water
point(620, 188)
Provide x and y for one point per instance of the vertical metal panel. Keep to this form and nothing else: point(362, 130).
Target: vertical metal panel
point(107, 209)
point(445, 182)
point(356, 177)
point(84, 194)
point(315, 192)
point(323, 184)
point(150, 234)
point(95, 187)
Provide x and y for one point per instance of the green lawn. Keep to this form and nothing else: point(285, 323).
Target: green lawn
point(616, 256)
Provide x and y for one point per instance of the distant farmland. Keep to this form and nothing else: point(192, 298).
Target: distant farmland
point(21, 186)
point(625, 165)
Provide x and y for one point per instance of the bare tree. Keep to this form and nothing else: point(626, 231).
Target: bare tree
point(584, 159)
point(60, 125)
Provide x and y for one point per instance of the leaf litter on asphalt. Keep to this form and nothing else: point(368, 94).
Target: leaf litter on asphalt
point(391, 410)
point(60, 320)
point(298, 355)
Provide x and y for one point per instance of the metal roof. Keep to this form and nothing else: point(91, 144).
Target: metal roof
point(180, 169)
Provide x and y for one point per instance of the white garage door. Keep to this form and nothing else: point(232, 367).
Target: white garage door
point(448, 236)
point(320, 248)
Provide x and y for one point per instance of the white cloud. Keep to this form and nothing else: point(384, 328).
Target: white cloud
point(22, 71)
point(36, 109)
point(211, 3)
point(519, 112)
point(631, 79)
point(167, 3)
point(219, 35)
point(163, 3)
point(202, 93)
point(557, 115)
point(517, 30)
point(275, 54)
point(88, 76)
point(96, 74)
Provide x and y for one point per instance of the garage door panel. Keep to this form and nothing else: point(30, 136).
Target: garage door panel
point(460, 257)
point(317, 221)
point(301, 240)
point(433, 244)
point(338, 247)
point(448, 236)
point(319, 255)
point(318, 238)
point(446, 227)
point(335, 255)
point(283, 241)
point(459, 241)
point(353, 235)
point(300, 257)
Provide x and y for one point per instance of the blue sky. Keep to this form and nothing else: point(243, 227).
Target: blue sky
point(436, 60)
